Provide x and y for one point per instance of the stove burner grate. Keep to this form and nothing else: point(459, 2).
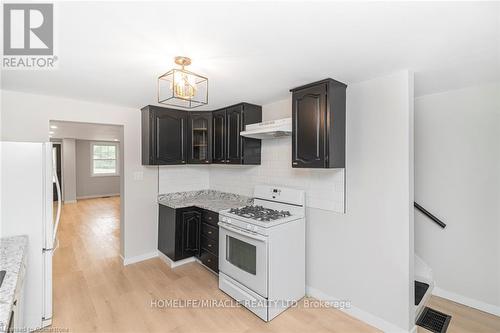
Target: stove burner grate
point(260, 213)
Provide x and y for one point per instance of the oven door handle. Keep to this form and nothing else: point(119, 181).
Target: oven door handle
point(243, 232)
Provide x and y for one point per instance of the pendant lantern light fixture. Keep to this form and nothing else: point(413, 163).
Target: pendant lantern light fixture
point(182, 88)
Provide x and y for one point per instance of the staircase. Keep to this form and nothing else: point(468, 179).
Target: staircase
point(424, 283)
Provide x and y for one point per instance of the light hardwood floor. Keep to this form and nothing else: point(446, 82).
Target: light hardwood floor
point(94, 292)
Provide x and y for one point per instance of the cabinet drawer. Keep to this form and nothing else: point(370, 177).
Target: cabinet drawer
point(210, 260)
point(210, 217)
point(210, 231)
point(210, 245)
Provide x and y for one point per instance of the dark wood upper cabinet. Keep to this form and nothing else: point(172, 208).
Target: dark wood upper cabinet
point(164, 136)
point(200, 137)
point(228, 146)
point(219, 136)
point(233, 139)
point(318, 125)
point(171, 136)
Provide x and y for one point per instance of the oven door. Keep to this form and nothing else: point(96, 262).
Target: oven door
point(243, 257)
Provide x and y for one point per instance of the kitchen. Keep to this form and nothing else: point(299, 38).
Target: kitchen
point(347, 202)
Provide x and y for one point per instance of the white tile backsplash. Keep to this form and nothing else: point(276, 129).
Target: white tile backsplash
point(179, 178)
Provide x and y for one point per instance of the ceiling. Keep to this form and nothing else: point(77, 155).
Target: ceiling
point(84, 131)
point(113, 52)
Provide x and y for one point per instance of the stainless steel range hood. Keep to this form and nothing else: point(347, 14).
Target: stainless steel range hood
point(269, 129)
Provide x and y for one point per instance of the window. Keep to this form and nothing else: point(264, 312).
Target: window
point(104, 161)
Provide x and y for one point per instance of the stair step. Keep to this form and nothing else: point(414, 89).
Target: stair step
point(420, 289)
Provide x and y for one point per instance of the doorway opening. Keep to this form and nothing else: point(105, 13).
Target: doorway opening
point(88, 160)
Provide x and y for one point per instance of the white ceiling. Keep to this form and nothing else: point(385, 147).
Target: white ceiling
point(84, 131)
point(113, 52)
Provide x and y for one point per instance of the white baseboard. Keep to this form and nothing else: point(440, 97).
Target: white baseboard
point(69, 201)
point(357, 313)
point(98, 196)
point(139, 258)
point(172, 263)
point(489, 308)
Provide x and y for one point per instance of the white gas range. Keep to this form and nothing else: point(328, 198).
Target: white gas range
point(262, 251)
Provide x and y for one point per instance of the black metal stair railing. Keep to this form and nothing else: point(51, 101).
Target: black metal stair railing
point(429, 215)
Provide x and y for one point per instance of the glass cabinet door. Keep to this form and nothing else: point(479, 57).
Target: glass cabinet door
point(200, 138)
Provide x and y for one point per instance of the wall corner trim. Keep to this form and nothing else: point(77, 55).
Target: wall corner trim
point(479, 305)
point(139, 258)
point(357, 313)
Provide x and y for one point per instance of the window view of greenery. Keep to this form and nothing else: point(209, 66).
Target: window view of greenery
point(104, 158)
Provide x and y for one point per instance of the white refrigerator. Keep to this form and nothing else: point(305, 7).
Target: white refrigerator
point(27, 208)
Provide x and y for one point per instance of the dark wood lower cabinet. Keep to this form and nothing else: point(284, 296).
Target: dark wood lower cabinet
point(190, 224)
point(210, 260)
point(188, 232)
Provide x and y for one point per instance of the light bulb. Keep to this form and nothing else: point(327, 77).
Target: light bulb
point(184, 85)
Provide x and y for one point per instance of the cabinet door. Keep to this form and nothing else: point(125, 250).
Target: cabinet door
point(308, 138)
point(191, 224)
point(167, 231)
point(170, 136)
point(234, 127)
point(219, 136)
point(200, 138)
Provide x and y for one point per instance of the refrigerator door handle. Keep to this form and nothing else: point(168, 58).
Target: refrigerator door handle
point(58, 214)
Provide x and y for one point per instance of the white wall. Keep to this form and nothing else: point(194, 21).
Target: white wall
point(25, 117)
point(457, 178)
point(88, 186)
point(69, 170)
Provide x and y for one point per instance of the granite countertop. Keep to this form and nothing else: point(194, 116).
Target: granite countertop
point(13, 251)
point(215, 201)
